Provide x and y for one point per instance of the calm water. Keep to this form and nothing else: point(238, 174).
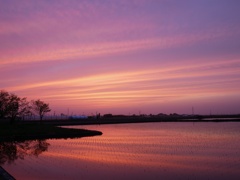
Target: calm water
point(136, 151)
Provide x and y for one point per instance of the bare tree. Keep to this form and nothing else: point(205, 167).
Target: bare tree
point(4, 96)
point(40, 107)
point(13, 107)
point(25, 108)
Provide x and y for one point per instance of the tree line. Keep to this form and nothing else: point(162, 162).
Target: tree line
point(14, 107)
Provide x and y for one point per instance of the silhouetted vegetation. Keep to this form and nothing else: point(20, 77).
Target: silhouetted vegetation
point(41, 108)
point(13, 107)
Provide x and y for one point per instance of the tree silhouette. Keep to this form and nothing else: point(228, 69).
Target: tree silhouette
point(4, 95)
point(25, 108)
point(12, 106)
point(41, 108)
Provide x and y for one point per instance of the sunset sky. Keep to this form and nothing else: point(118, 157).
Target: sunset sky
point(123, 56)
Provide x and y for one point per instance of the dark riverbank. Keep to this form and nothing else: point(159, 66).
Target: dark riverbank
point(30, 130)
point(36, 130)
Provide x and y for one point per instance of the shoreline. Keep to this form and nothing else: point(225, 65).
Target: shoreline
point(22, 132)
point(116, 120)
point(49, 129)
point(4, 175)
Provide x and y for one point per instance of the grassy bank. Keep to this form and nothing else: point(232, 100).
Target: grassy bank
point(20, 132)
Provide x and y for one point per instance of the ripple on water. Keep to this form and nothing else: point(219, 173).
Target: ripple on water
point(140, 151)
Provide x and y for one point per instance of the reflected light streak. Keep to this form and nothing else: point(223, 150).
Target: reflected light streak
point(164, 146)
point(167, 161)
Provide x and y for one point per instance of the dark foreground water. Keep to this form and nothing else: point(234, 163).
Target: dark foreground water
point(135, 151)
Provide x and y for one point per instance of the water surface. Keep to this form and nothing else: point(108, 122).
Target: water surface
point(183, 150)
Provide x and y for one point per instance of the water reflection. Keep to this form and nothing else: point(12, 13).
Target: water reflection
point(140, 151)
point(11, 151)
